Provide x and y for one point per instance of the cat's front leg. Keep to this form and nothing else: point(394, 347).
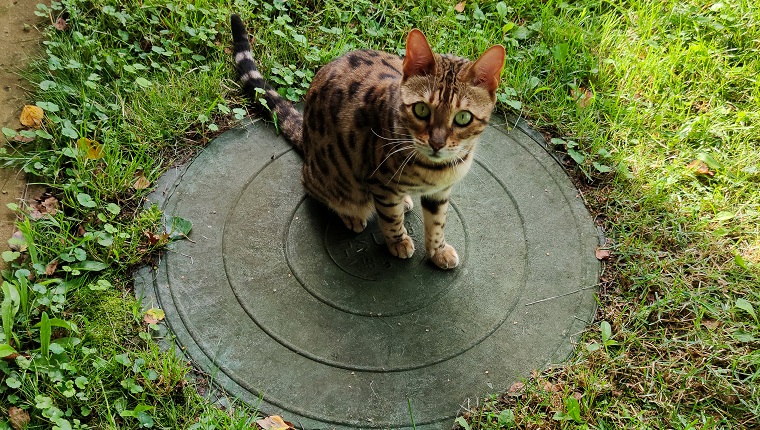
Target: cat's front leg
point(434, 209)
point(390, 214)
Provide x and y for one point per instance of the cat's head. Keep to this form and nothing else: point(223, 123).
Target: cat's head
point(446, 101)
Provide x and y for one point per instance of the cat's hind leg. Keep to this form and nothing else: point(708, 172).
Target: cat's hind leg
point(350, 202)
point(353, 215)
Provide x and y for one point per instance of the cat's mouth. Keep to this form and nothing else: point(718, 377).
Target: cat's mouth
point(440, 156)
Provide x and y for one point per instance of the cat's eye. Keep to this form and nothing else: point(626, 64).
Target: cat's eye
point(463, 118)
point(421, 110)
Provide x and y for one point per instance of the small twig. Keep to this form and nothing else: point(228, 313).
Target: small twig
point(184, 255)
point(563, 295)
point(581, 320)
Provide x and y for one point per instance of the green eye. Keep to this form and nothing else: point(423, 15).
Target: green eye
point(463, 118)
point(421, 110)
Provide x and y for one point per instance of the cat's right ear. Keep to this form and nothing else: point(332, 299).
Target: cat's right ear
point(419, 59)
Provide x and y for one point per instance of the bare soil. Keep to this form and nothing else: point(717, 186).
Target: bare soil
point(19, 41)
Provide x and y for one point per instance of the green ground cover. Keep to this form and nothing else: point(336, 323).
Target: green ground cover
point(655, 103)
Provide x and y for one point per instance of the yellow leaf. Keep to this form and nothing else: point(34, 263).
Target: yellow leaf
point(700, 168)
point(91, 148)
point(141, 183)
point(31, 116)
point(582, 96)
point(153, 316)
point(275, 422)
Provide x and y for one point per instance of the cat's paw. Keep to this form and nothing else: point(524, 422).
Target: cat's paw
point(408, 203)
point(403, 248)
point(354, 224)
point(445, 257)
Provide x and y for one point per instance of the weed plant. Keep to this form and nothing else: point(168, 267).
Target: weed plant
point(655, 103)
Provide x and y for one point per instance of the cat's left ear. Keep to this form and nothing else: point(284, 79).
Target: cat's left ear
point(486, 72)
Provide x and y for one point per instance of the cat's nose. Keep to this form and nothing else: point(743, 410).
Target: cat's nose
point(436, 143)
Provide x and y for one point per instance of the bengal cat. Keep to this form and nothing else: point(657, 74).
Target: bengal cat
point(377, 128)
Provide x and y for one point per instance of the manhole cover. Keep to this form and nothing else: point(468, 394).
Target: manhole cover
point(283, 305)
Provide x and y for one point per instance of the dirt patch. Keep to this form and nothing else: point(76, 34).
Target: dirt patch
point(19, 41)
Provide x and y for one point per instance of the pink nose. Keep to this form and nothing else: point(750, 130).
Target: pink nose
point(436, 144)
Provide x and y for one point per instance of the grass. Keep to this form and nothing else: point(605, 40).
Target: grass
point(654, 102)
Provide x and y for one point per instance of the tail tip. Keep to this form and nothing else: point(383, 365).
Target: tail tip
point(238, 28)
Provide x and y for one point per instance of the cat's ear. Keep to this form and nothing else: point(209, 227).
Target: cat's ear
point(419, 59)
point(486, 72)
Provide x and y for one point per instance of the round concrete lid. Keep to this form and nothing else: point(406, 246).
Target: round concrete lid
point(286, 308)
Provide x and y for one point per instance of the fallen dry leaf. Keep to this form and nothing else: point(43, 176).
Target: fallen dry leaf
point(11, 357)
point(700, 168)
point(603, 254)
point(516, 389)
point(31, 116)
point(141, 183)
point(46, 204)
point(92, 149)
point(275, 422)
point(153, 316)
point(50, 268)
point(156, 239)
point(711, 324)
point(459, 7)
point(552, 388)
point(582, 96)
point(22, 139)
point(61, 24)
point(50, 204)
point(18, 418)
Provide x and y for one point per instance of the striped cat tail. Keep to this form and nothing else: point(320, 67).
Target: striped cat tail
point(289, 120)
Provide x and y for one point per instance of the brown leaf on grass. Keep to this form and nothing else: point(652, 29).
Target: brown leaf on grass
point(61, 24)
point(700, 168)
point(141, 183)
point(50, 204)
point(153, 316)
point(603, 254)
point(22, 139)
point(92, 149)
point(46, 204)
point(516, 389)
point(11, 357)
point(552, 388)
point(31, 116)
point(459, 7)
point(275, 422)
point(50, 268)
point(18, 418)
point(156, 239)
point(582, 96)
point(711, 324)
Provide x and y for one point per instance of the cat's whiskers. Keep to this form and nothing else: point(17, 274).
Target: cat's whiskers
point(400, 170)
point(396, 143)
point(406, 137)
point(393, 128)
point(388, 156)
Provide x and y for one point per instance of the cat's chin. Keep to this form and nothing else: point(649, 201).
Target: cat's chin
point(441, 159)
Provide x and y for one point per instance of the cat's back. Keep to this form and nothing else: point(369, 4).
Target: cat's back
point(358, 80)
point(363, 66)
